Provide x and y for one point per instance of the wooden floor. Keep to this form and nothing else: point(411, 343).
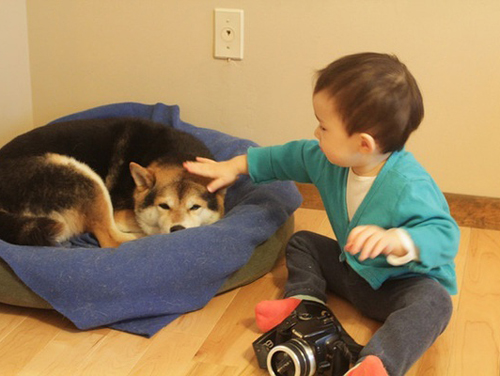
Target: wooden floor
point(217, 339)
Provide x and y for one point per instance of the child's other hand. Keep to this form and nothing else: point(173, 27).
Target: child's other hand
point(372, 241)
point(223, 174)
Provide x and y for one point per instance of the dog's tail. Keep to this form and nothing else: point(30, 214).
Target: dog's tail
point(24, 230)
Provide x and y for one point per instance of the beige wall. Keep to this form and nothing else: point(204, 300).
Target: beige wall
point(93, 52)
point(15, 87)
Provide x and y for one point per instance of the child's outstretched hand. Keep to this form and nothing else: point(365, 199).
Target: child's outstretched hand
point(223, 174)
point(372, 241)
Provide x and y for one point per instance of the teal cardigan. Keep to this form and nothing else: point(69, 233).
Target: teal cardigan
point(402, 196)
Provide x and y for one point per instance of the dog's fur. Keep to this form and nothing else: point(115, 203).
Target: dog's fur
point(116, 178)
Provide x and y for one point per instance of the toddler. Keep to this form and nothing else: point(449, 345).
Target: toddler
point(396, 241)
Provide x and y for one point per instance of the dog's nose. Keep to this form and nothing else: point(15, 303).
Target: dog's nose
point(176, 228)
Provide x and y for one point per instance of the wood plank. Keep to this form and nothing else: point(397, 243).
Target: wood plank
point(175, 346)
point(29, 338)
point(116, 353)
point(203, 321)
point(63, 354)
point(205, 369)
point(170, 353)
point(230, 343)
point(10, 318)
point(308, 219)
point(476, 349)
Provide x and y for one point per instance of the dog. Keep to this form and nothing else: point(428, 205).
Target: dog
point(118, 178)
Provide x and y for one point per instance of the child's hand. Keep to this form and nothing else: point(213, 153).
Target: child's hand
point(223, 173)
point(372, 241)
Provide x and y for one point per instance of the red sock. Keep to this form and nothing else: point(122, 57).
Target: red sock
point(270, 313)
point(369, 366)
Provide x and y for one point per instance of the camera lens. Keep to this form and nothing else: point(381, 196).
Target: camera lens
point(292, 358)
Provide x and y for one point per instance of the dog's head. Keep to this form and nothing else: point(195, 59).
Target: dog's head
point(168, 198)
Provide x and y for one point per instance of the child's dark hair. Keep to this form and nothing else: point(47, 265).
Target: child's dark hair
point(374, 93)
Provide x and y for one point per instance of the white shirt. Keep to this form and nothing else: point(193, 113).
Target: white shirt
point(356, 190)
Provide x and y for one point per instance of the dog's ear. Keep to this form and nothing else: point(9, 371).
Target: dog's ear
point(143, 178)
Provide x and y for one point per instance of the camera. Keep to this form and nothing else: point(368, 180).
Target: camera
point(311, 341)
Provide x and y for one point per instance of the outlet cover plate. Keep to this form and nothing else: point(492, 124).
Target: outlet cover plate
point(228, 34)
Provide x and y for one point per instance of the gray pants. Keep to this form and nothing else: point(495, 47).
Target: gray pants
point(414, 311)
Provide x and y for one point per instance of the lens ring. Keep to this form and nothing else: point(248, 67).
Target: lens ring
point(308, 353)
point(291, 348)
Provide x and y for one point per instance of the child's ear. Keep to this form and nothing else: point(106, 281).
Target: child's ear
point(368, 144)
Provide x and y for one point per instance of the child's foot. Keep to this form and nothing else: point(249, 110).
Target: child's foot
point(369, 366)
point(270, 313)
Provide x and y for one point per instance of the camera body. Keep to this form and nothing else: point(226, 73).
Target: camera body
point(309, 342)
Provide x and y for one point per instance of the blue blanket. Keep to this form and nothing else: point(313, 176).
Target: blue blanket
point(143, 285)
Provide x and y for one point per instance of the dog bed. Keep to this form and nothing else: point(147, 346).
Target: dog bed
point(143, 285)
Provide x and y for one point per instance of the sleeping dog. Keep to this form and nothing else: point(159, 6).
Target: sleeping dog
point(117, 178)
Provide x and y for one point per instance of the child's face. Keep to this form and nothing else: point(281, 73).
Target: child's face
point(338, 147)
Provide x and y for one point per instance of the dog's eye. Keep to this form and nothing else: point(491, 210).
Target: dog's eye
point(195, 207)
point(164, 206)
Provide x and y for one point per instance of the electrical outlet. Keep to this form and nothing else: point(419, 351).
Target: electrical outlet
point(228, 34)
